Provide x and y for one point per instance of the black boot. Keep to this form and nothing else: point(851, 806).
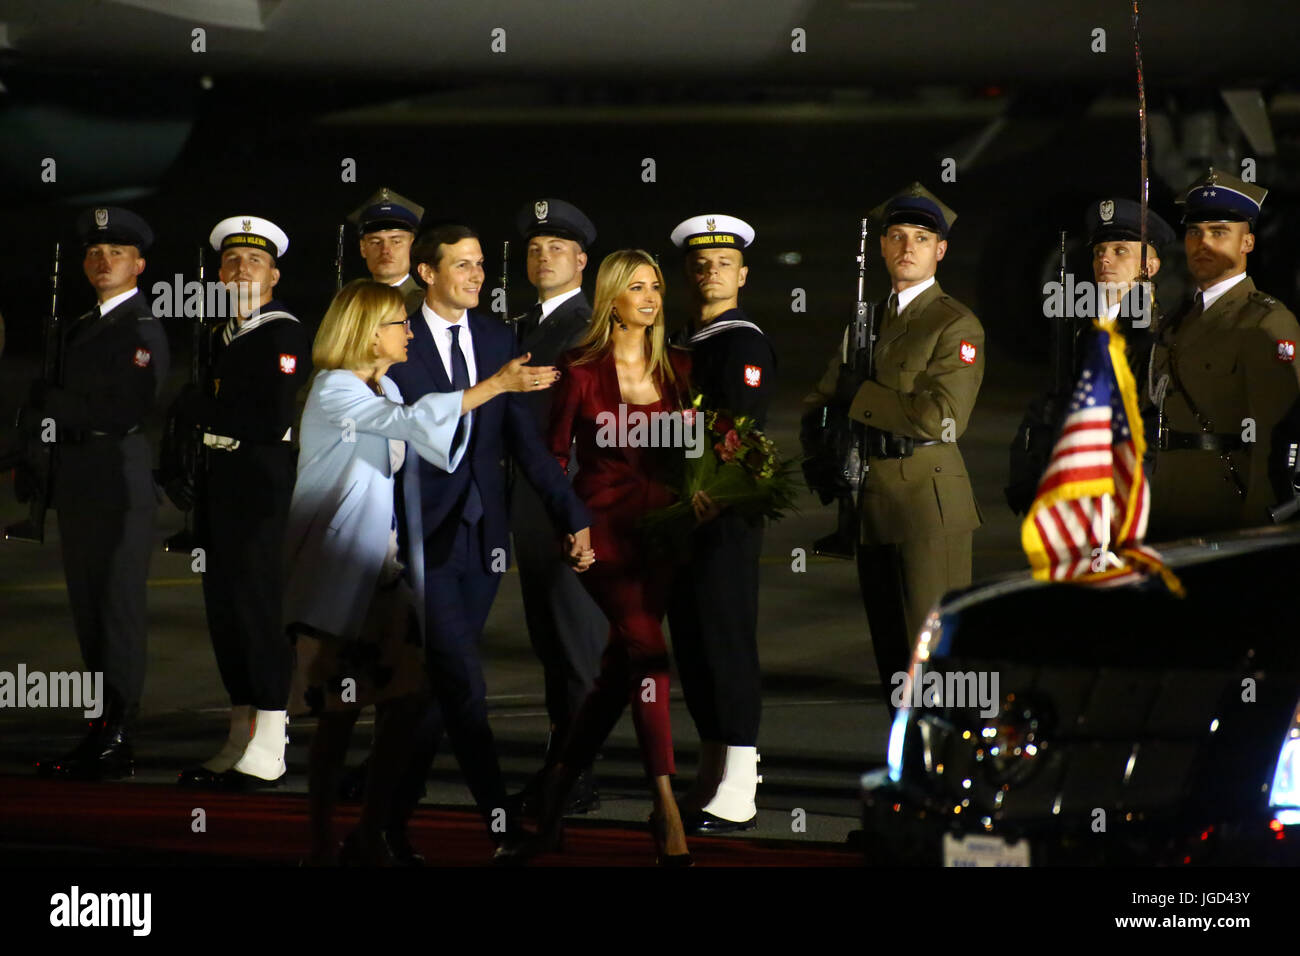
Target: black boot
point(104, 753)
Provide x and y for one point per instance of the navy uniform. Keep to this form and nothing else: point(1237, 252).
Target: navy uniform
point(1106, 220)
point(713, 607)
point(1225, 386)
point(115, 360)
point(385, 210)
point(567, 630)
point(246, 414)
point(917, 509)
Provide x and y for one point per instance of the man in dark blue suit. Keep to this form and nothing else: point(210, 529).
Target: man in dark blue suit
point(464, 518)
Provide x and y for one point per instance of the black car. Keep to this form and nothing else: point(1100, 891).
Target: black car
point(1052, 723)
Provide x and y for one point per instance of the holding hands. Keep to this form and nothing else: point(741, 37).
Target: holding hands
point(580, 556)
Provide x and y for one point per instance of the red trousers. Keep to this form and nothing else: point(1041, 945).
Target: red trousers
point(634, 667)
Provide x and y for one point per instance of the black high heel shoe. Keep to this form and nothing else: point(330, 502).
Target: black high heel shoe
point(658, 831)
point(550, 819)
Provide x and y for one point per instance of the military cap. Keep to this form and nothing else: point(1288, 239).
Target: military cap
point(113, 225)
point(386, 209)
point(555, 217)
point(713, 231)
point(1110, 219)
point(915, 206)
point(249, 231)
point(1218, 197)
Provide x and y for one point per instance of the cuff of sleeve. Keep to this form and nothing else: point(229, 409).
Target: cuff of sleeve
point(868, 404)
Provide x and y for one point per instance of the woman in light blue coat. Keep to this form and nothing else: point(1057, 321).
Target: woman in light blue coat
point(343, 582)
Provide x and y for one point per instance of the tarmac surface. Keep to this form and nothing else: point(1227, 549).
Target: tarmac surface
point(824, 719)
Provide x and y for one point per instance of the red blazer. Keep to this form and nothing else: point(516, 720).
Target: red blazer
point(619, 484)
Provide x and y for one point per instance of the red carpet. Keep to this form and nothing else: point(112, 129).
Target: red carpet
point(153, 820)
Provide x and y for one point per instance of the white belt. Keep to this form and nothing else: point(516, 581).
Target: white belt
point(223, 443)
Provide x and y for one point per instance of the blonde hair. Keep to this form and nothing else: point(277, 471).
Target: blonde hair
point(347, 333)
point(615, 275)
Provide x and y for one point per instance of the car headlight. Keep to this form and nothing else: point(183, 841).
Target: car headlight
point(1285, 792)
point(927, 641)
point(1010, 745)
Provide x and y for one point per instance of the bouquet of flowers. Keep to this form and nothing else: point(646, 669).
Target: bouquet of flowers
point(742, 470)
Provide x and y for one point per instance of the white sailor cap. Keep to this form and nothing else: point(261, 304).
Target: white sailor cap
point(712, 231)
point(250, 231)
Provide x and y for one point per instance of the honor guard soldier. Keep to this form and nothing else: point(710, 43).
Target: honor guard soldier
point(245, 414)
point(1114, 230)
point(917, 508)
point(567, 629)
point(1224, 381)
point(713, 608)
point(114, 362)
point(387, 223)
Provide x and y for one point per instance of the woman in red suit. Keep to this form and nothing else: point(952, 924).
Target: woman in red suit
point(624, 360)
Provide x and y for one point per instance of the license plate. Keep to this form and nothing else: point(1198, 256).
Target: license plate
point(984, 851)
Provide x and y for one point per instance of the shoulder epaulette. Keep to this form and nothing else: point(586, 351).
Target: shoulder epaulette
point(1259, 304)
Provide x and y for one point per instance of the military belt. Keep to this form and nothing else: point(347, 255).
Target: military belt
point(1199, 441)
point(883, 444)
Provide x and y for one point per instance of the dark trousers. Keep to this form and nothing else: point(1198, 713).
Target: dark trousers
point(567, 630)
point(106, 563)
point(247, 508)
point(458, 595)
point(900, 583)
point(634, 667)
point(713, 615)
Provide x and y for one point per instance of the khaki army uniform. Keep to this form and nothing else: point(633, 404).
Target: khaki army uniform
point(1236, 361)
point(917, 513)
point(412, 294)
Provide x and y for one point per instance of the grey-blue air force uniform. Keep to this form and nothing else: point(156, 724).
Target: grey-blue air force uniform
point(114, 365)
point(567, 629)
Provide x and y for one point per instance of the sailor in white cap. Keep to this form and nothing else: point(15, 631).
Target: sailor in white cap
point(245, 412)
point(733, 365)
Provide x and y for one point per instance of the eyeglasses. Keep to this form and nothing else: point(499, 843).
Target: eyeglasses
point(405, 322)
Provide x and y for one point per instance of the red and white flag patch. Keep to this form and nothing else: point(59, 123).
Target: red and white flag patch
point(967, 352)
point(1285, 350)
point(288, 363)
point(142, 358)
point(753, 375)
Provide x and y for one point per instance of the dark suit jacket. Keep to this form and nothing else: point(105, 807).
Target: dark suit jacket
point(559, 333)
point(502, 426)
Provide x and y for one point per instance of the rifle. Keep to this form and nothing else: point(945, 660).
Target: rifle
point(188, 448)
point(1031, 449)
point(39, 457)
point(338, 261)
point(843, 441)
point(1063, 356)
point(515, 321)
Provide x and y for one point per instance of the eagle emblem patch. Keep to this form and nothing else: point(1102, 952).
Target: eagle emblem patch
point(142, 357)
point(246, 225)
point(288, 364)
point(1285, 350)
point(101, 218)
point(753, 375)
point(540, 209)
point(1107, 210)
point(967, 352)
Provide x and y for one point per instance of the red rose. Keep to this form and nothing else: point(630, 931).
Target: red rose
point(722, 424)
point(732, 442)
point(724, 453)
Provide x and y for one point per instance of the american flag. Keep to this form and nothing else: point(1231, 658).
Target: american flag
point(1090, 513)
